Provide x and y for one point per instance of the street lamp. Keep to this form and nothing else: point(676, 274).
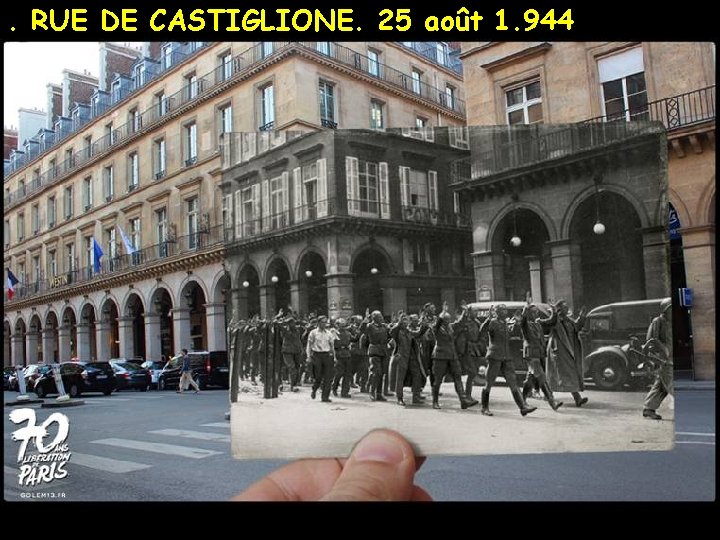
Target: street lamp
point(246, 284)
point(598, 228)
point(274, 279)
point(515, 241)
point(308, 273)
point(374, 270)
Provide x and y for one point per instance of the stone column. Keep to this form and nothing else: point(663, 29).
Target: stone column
point(267, 300)
point(126, 336)
point(31, 346)
point(153, 344)
point(83, 341)
point(18, 350)
point(548, 277)
point(64, 343)
point(489, 270)
point(656, 257)
point(48, 345)
point(6, 351)
point(567, 272)
point(236, 299)
point(181, 329)
point(299, 296)
point(102, 339)
point(216, 326)
point(447, 294)
point(535, 278)
point(340, 294)
point(699, 254)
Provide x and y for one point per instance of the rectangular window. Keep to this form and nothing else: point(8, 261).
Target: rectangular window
point(6, 233)
point(373, 62)
point(250, 217)
point(377, 117)
point(191, 86)
point(450, 96)
point(441, 50)
point(52, 263)
point(21, 273)
point(87, 193)
point(110, 134)
point(36, 273)
point(225, 119)
point(112, 247)
point(89, 252)
point(135, 231)
point(622, 78)
point(416, 81)
point(367, 196)
point(133, 171)
point(51, 211)
point(108, 183)
point(225, 70)
point(69, 159)
point(279, 201)
point(161, 229)
point(135, 120)
point(35, 218)
point(70, 262)
point(323, 47)
point(87, 146)
point(266, 48)
point(309, 191)
point(523, 105)
point(167, 56)
point(192, 222)
point(418, 192)
point(191, 150)
point(115, 91)
point(52, 171)
point(162, 104)
point(20, 227)
point(420, 259)
point(327, 104)
point(69, 210)
point(267, 107)
point(139, 75)
point(159, 158)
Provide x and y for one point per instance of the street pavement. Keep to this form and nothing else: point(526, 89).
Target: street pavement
point(161, 446)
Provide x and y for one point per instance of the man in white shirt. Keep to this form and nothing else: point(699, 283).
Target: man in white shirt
point(321, 351)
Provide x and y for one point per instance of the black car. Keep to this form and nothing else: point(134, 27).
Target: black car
point(78, 378)
point(130, 375)
point(208, 369)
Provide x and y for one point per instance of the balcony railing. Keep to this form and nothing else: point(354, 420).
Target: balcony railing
point(430, 51)
point(417, 214)
point(182, 245)
point(236, 147)
point(529, 150)
point(674, 112)
point(189, 93)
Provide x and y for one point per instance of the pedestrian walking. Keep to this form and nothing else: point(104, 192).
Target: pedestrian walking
point(320, 349)
point(565, 354)
point(377, 335)
point(186, 374)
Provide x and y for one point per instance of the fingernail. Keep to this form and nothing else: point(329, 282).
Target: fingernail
point(378, 446)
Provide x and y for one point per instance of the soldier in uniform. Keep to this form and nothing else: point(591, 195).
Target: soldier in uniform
point(309, 371)
point(291, 350)
point(235, 353)
point(427, 342)
point(499, 358)
point(659, 336)
point(343, 363)
point(470, 346)
point(405, 359)
point(444, 360)
point(358, 354)
point(533, 329)
point(377, 336)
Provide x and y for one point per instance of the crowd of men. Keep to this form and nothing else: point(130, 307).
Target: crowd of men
point(381, 359)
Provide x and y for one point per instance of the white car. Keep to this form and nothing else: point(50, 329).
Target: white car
point(155, 367)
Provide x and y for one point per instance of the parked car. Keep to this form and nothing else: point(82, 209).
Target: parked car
point(208, 369)
point(155, 367)
point(8, 372)
point(129, 375)
point(612, 337)
point(138, 360)
point(78, 378)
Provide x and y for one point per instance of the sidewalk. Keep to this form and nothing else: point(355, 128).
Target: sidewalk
point(684, 385)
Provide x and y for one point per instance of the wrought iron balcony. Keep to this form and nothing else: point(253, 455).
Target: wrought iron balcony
point(324, 122)
point(427, 216)
point(674, 112)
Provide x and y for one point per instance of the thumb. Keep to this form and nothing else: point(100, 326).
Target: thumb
point(381, 467)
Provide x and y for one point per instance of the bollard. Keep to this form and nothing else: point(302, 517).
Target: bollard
point(20, 372)
point(59, 384)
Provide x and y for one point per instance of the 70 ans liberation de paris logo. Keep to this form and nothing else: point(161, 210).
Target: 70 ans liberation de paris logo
point(48, 463)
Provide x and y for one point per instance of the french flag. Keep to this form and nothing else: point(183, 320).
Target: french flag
point(11, 282)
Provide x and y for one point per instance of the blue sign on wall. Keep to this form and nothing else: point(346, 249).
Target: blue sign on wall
point(686, 297)
point(673, 223)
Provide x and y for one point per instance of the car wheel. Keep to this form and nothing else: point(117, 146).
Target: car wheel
point(74, 390)
point(609, 373)
point(39, 391)
point(161, 384)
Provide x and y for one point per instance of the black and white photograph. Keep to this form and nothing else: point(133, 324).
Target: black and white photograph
point(480, 290)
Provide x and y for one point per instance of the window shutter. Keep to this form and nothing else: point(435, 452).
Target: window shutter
point(238, 214)
point(408, 265)
point(384, 191)
point(456, 202)
point(322, 202)
point(430, 134)
point(266, 205)
point(432, 190)
point(404, 185)
point(452, 133)
point(352, 180)
point(286, 198)
point(297, 200)
point(256, 217)
point(227, 211)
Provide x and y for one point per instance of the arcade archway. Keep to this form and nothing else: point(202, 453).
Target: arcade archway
point(312, 284)
point(277, 283)
point(369, 266)
point(248, 286)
